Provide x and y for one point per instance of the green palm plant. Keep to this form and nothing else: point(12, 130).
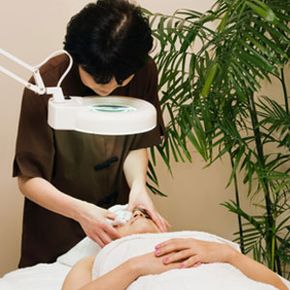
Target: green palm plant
point(211, 66)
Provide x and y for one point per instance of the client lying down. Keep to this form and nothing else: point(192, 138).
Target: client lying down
point(144, 258)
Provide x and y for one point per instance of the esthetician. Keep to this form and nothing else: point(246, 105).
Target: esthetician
point(68, 178)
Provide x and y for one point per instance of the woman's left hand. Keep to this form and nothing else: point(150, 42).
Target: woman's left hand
point(149, 264)
point(191, 252)
point(140, 198)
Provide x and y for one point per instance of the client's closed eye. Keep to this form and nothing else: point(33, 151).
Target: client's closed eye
point(143, 211)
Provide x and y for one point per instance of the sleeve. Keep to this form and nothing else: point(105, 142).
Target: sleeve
point(34, 145)
point(150, 93)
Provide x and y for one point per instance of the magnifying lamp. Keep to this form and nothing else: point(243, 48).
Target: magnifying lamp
point(112, 115)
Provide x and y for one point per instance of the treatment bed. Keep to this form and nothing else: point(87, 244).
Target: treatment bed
point(48, 276)
point(51, 276)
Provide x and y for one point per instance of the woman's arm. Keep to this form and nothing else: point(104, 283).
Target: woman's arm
point(79, 275)
point(89, 216)
point(135, 170)
point(192, 252)
point(118, 279)
point(79, 278)
point(256, 271)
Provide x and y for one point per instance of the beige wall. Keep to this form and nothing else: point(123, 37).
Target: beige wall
point(31, 30)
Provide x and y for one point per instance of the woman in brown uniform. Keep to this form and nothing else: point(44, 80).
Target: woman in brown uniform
point(70, 178)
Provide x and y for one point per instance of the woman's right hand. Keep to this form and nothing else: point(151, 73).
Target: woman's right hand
point(93, 220)
point(191, 252)
point(149, 264)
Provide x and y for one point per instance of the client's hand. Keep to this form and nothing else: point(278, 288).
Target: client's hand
point(149, 264)
point(139, 197)
point(191, 252)
point(93, 221)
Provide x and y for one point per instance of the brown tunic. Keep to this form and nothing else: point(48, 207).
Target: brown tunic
point(86, 166)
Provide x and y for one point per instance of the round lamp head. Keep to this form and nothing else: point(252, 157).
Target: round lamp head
point(112, 115)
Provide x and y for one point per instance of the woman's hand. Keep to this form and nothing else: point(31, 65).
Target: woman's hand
point(191, 252)
point(93, 220)
point(139, 197)
point(149, 264)
point(135, 169)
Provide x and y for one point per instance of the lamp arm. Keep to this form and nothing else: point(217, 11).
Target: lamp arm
point(39, 86)
point(28, 85)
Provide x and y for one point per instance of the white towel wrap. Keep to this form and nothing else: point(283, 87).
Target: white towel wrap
point(122, 214)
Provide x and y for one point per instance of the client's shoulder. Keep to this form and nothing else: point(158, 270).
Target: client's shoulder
point(86, 262)
point(79, 275)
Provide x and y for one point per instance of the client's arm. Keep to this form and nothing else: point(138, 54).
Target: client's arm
point(79, 278)
point(191, 253)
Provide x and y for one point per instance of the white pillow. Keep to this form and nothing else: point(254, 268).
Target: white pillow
point(86, 247)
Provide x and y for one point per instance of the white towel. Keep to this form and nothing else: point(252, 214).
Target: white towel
point(215, 276)
point(122, 214)
point(86, 247)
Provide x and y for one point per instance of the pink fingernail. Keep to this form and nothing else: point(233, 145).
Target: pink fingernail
point(157, 247)
point(157, 253)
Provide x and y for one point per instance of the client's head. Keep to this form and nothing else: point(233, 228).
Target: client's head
point(140, 223)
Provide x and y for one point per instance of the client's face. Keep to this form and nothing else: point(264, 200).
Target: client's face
point(140, 223)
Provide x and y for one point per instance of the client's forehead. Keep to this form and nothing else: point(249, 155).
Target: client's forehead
point(137, 208)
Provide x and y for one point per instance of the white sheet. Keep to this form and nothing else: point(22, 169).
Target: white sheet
point(215, 276)
point(39, 277)
point(51, 276)
point(48, 276)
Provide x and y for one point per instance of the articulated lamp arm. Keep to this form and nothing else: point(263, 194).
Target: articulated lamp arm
point(39, 86)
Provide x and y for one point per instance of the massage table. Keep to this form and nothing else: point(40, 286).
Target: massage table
point(51, 276)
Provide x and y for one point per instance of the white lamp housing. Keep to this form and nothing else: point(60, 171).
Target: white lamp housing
point(102, 115)
point(96, 115)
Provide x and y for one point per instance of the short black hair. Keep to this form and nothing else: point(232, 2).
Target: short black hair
point(109, 38)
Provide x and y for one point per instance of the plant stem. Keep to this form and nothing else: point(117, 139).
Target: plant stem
point(237, 195)
point(270, 223)
point(278, 262)
point(284, 90)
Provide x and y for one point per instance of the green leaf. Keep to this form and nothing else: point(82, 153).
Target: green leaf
point(263, 10)
point(155, 190)
point(151, 173)
point(209, 80)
